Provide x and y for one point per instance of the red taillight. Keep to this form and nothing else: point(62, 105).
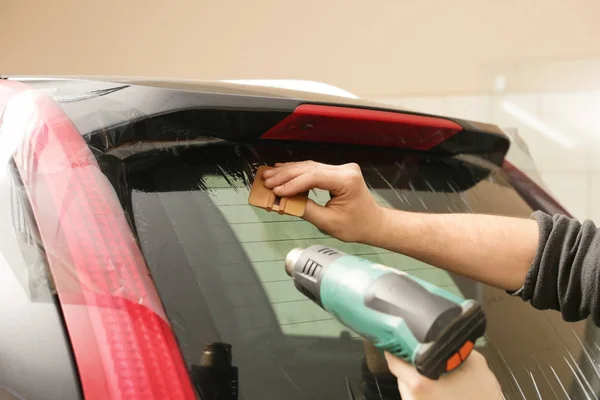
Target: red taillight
point(122, 342)
point(347, 125)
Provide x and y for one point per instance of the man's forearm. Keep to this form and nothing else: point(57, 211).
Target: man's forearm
point(491, 249)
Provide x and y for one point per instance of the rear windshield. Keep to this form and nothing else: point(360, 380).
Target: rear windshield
point(218, 262)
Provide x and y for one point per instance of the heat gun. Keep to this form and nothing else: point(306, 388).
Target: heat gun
point(421, 323)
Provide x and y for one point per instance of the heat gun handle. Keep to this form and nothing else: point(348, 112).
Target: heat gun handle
point(425, 313)
point(444, 327)
point(454, 345)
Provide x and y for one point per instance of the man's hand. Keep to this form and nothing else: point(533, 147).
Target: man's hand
point(472, 380)
point(351, 215)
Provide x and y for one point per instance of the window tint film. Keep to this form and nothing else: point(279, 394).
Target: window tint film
point(218, 265)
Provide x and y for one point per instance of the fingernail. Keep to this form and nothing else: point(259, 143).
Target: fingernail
point(268, 172)
point(278, 188)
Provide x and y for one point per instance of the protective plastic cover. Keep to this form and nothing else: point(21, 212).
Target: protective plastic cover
point(153, 252)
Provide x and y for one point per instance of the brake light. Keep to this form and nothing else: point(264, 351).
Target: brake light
point(122, 342)
point(347, 125)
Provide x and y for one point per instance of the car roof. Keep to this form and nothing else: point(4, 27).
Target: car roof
point(275, 88)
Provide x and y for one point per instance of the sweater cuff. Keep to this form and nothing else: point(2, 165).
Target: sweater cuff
point(542, 220)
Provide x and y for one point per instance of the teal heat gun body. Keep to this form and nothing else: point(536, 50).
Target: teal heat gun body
point(421, 323)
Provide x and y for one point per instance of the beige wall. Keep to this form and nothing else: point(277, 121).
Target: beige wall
point(424, 54)
point(373, 48)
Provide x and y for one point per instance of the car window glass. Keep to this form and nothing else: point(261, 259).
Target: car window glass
point(218, 266)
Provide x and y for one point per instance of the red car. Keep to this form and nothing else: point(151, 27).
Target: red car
point(132, 266)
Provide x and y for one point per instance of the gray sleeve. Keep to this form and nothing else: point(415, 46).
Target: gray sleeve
point(565, 273)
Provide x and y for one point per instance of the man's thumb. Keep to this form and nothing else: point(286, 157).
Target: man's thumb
point(316, 214)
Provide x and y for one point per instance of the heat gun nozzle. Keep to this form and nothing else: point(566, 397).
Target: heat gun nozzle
point(291, 259)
